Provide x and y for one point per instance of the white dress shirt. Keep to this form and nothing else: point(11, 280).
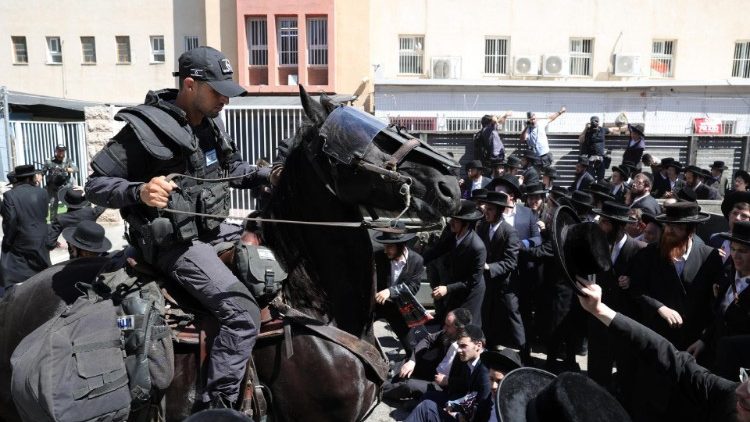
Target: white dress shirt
point(510, 217)
point(617, 247)
point(740, 284)
point(398, 265)
point(494, 227)
point(444, 367)
point(461, 239)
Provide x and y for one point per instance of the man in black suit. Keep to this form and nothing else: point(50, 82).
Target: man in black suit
point(694, 177)
point(662, 183)
point(620, 175)
point(735, 207)
point(468, 375)
point(641, 195)
point(78, 210)
point(500, 307)
point(24, 211)
point(528, 162)
point(603, 353)
point(474, 179)
point(583, 177)
point(465, 258)
point(397, 268)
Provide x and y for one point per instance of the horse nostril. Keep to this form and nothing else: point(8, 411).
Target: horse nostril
point(444, 189)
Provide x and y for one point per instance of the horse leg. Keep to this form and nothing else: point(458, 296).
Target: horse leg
point(181, 395)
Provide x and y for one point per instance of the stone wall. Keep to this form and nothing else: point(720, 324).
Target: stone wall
point(100, 127)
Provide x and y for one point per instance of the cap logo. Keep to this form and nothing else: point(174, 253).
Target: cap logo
point(226, 67)
point(198, 73)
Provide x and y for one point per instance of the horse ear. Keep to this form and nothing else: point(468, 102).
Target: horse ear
point(314, 111)
point(327, 103)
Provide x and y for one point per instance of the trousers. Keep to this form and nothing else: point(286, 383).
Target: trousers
point(195, 266)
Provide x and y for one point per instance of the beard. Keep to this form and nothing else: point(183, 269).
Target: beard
point(672, 246)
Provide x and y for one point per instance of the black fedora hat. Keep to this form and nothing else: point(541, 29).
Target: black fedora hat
point(550, 172)
point(507, 180)
point(624, 171)
point(395, 236)
point(744, 175)
point(496, 162)
point(25, 170)
point(478, 194)
point(740, 233)
point(674, 164)
point(580, 248)
point(474, 164)
point(503, 360)
point(558, 192)
point(530, 155)
point(534, 189)
point(468, 211)
point(693, 169)
point(72, 198)
point(513, 161)
point(719, 165)
point(601, 190)
point(731, 199)
point(682, 213)
point(534, 395)
point(581, 199)
point(499, 199)
point(583, 160)
point(87, 235)
point(637, 127)
point(615, 211)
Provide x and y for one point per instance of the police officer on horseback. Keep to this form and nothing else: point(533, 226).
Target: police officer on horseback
point(178, 132)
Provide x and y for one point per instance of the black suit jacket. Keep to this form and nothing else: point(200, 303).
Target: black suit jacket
point(619, 195)
point(706, 192)
point(460, 382)
point(24, 250)
point(734, 320)
point(411, 276)
point(712, 395)
point(428, 353)
point(648, 204)
point(465, 263)
point(530, 175)
point(655, 283)
point(587, 179)
point(660, 186)
point(71, 219)
point(502, 253)
point(614, 296)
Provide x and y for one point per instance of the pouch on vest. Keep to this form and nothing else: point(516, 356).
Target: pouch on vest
point(258, 269)
point(215, 199)
point(71, 368)
point(185, 227)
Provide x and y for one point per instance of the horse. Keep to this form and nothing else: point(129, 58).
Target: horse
point(337, 163)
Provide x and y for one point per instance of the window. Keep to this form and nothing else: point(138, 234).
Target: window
point(415, 123)
point(317, 42)
point(88, 47)
point(728, 127)
point(288, 50)
point(20, 54)
point(496, 56)
point(54, 50)
point(741, 66)
point(662, 54)
point(191, 42)
point(257, 41)
point(463, 124)
point(410, 54)
point(123, 49)
point(157, 49)
point(581, 50)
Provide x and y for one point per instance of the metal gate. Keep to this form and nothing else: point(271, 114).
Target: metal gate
point(257, 132)
point(35, 142)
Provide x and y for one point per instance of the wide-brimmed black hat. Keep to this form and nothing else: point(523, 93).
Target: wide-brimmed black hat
point(583, 160)
point(503, 360)
point(495, 162)
point(558, 192)
point(624, 171)
point(478, 194)
point(468, 211)
point(637, 127)
point(534, 395)
point(719, 165)
point(581, 199)
point(615, 211)
point(534, 189)
point(731, 199)
point(682, 213)
point(87, 235)
point(474, 164)
point(650, 218)
point(72, 198)
point(687, 194)
point(508, 180)
point(513, 161)
point(665, 161)
point(25, 170)
point(675, 164)
point(396, 236)
point(693, 169)
point(740, 233)
point(530, 155)
point(499, 199)
point(744, 175)
point(601, 190)
point(550, 172)
point(580, 248)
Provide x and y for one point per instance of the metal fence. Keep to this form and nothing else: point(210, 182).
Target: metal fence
point(35, 143)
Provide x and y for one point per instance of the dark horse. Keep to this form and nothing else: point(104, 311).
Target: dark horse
point(330, 268)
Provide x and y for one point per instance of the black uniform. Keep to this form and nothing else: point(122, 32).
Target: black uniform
point(24, 252)
point(56, 177)
point(179, 245)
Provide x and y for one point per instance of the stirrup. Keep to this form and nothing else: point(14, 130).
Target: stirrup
point(220, 401)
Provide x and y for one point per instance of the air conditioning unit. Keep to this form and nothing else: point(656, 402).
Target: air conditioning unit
point(627, 65)
point(555, 65)
point(526, 66)
point(445, 67)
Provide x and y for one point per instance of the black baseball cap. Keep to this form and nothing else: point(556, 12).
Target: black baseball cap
point(211, 66)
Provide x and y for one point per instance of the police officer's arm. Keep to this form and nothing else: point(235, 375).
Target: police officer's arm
point(254, 176)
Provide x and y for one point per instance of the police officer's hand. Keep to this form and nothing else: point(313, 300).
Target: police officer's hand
point(275, 176)
point(156, 192)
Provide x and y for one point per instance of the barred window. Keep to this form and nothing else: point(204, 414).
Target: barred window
point(257, 41)
point(123, 49)
point(410, 54)
point(463, 124)
point(191, 42)
point(415, 123)
point(662, 55)
point(288, 50)
point(88, 47)
point(741, 65)
point(157, 49)
point(54, 50)
point(728, 127)
point(317, 41)
point(496, 56)
point(581, 55)
point(20, 53)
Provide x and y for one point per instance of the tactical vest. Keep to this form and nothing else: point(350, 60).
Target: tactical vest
point(156, 128)
point(56, 175)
